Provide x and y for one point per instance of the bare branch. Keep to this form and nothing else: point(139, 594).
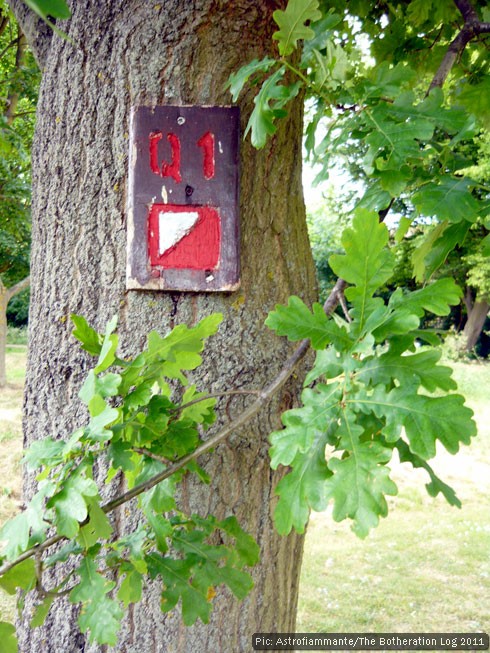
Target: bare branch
point(18, 287)
point(467, 11)
point(8, 46)
point(13, 97)
point(4, 21)
point(150, 454)
point(472, 28)
point(214, 395)
point(38, 34)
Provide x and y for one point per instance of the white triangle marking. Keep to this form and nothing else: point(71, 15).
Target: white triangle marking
point(173, 226)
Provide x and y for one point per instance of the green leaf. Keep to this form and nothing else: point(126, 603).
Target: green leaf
point(375, 198)
point(390, 80)
point(181, 347)
point(103, 619)
point(393, 142)
point(44, 452)
point(45, 8)
point(176, 575)
point(436, 485)
point(449, 199)
point(70, 504)
point(436, 297)
point(90, 339)
point(297, 323)
point(8, 637)
point(109, 345)
point(133, 546)
point(366, 262)
point(121, 456)
point(98, 526)
point(105, 386)
point(161, 497)
point(394, 182)
point(162, 529)
point(418, 369)
point(246, 547)
point(131, 588)
point(201, 412)
point(360, 480)
point(476, 98)
point(22, 576)
point(422, 251)
point(16, 532)
point(96, 429)
point(238, 80)
point(328, 363)
point(269, 105)
point(425, 419)
point(304, 424)
point(292, 24)
point(418, 11)
point(451, 237)
point(302, 489)
point(432, 108)
point(140, 396)
point(42, 611)
point(201, 473)
point(92, 584)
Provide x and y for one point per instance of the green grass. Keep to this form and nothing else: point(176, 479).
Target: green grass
point(426, 568)
point(17, 335)
point(11, 448)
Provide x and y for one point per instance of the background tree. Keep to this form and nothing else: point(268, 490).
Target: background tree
point(19, 80)
point(142, 53)
point(354, 129)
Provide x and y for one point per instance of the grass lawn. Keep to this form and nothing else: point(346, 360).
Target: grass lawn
point(11, 447)
point(426, 568)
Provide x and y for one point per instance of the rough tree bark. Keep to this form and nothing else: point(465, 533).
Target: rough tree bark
point(132, 53)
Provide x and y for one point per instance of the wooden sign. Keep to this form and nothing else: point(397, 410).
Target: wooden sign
point(183, 230)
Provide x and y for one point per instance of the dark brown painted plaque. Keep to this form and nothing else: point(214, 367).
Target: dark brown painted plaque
point(183, 231)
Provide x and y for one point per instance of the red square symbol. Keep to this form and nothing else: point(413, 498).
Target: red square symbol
point(184, 237)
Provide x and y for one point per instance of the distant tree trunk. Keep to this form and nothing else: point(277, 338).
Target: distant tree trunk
point(135, 52)
point(13, 98)
point(477, 314)
point(6, 295)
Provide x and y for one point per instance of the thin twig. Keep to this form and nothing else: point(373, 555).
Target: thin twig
point(150, 454)
point(214, 395)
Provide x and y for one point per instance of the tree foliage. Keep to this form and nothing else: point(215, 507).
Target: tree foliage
point(144, 415)
point(19, 80)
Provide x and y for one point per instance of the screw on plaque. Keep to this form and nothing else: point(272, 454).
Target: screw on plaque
point(188, 191)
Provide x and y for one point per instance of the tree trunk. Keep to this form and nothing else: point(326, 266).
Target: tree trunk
point(477, 315)
point(6, 295)
point(143, 53)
